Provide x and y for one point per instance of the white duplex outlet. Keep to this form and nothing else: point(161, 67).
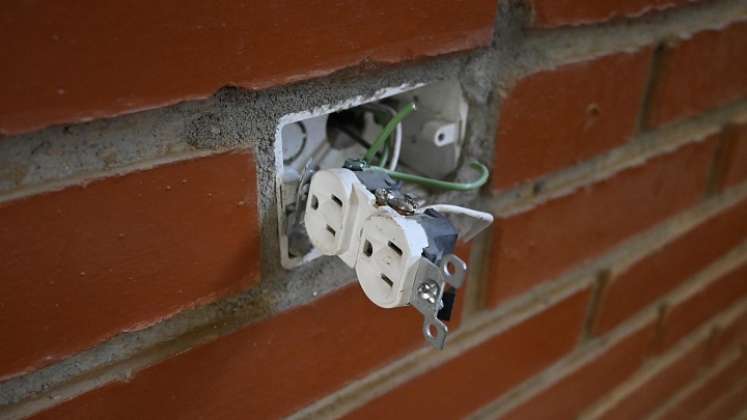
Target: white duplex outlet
point(345, 189)
point(342, 219)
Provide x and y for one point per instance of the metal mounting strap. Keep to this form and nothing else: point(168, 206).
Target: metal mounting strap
point(428, 290)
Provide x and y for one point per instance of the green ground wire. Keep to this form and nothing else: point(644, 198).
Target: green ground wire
point(442, 185)
point(387, 131)
point(384, 157)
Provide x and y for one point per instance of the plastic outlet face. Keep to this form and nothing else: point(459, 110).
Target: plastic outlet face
point(328, 210)
point(388, 257)
point(337, 205)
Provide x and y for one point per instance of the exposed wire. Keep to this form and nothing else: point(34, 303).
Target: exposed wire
point(387, 131)
point(454, 209)
point(397, 148)
point(382, 156)
point(443, 185)
point(483, 219)
point(397, 135)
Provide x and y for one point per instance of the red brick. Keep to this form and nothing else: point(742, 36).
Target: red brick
point(481, 374)
point(667, 268)
point(701, 73)
point(553, 119)
point(730, 406)
point(659, 388)
point(685, 316)
point(88, 262)
point(736, 161)
point(552, 13)
point(696, 402)
point(728, 337)
point(80, 61)
point(265, 370)
point(537, 245)
point(582, 387)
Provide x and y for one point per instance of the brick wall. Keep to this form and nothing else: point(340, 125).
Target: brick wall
point(140, 274)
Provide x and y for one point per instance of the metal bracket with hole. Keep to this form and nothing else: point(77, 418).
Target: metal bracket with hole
point(428, 290)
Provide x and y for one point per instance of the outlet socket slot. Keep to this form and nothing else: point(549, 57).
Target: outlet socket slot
point(388, 281)
point(367, 249)
point(395, 248)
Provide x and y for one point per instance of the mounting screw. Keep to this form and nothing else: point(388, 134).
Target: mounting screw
point(402, 205)
point(382, 196)
point(355, 164)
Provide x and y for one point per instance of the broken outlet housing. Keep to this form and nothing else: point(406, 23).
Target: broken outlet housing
point(326, 137)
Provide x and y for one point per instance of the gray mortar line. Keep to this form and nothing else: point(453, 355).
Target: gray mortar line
point(724, 362)
point(673, 228)
point(645, 147)
point(560, 370)
point(742, 415)
point(96, 149)
point(730, 262)
point(474, 293)
point(484, 326)
point(547, 49)
point(738, 388)
point(642, 123)
point(468, 336)
point(651, 370)
point(554, 374)
point(83, 179)
point(118, 358)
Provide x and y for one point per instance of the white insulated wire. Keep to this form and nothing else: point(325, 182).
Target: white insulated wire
point(397, 147)
point(484, 219)
point(454, 209)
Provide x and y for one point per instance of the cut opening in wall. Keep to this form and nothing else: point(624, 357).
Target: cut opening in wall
point(428, 142)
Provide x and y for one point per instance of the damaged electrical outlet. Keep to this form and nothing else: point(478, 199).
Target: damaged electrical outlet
point(348, 184)
point(324, 138)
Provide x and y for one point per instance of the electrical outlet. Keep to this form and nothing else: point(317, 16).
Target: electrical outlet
point(361, 214)
point(324, 138)
point(390, 249)
point(340, 193)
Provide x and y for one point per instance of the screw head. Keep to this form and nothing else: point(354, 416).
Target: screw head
point(402, 205)
point(428, 291)
point(355, 164)
point(382, 196)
